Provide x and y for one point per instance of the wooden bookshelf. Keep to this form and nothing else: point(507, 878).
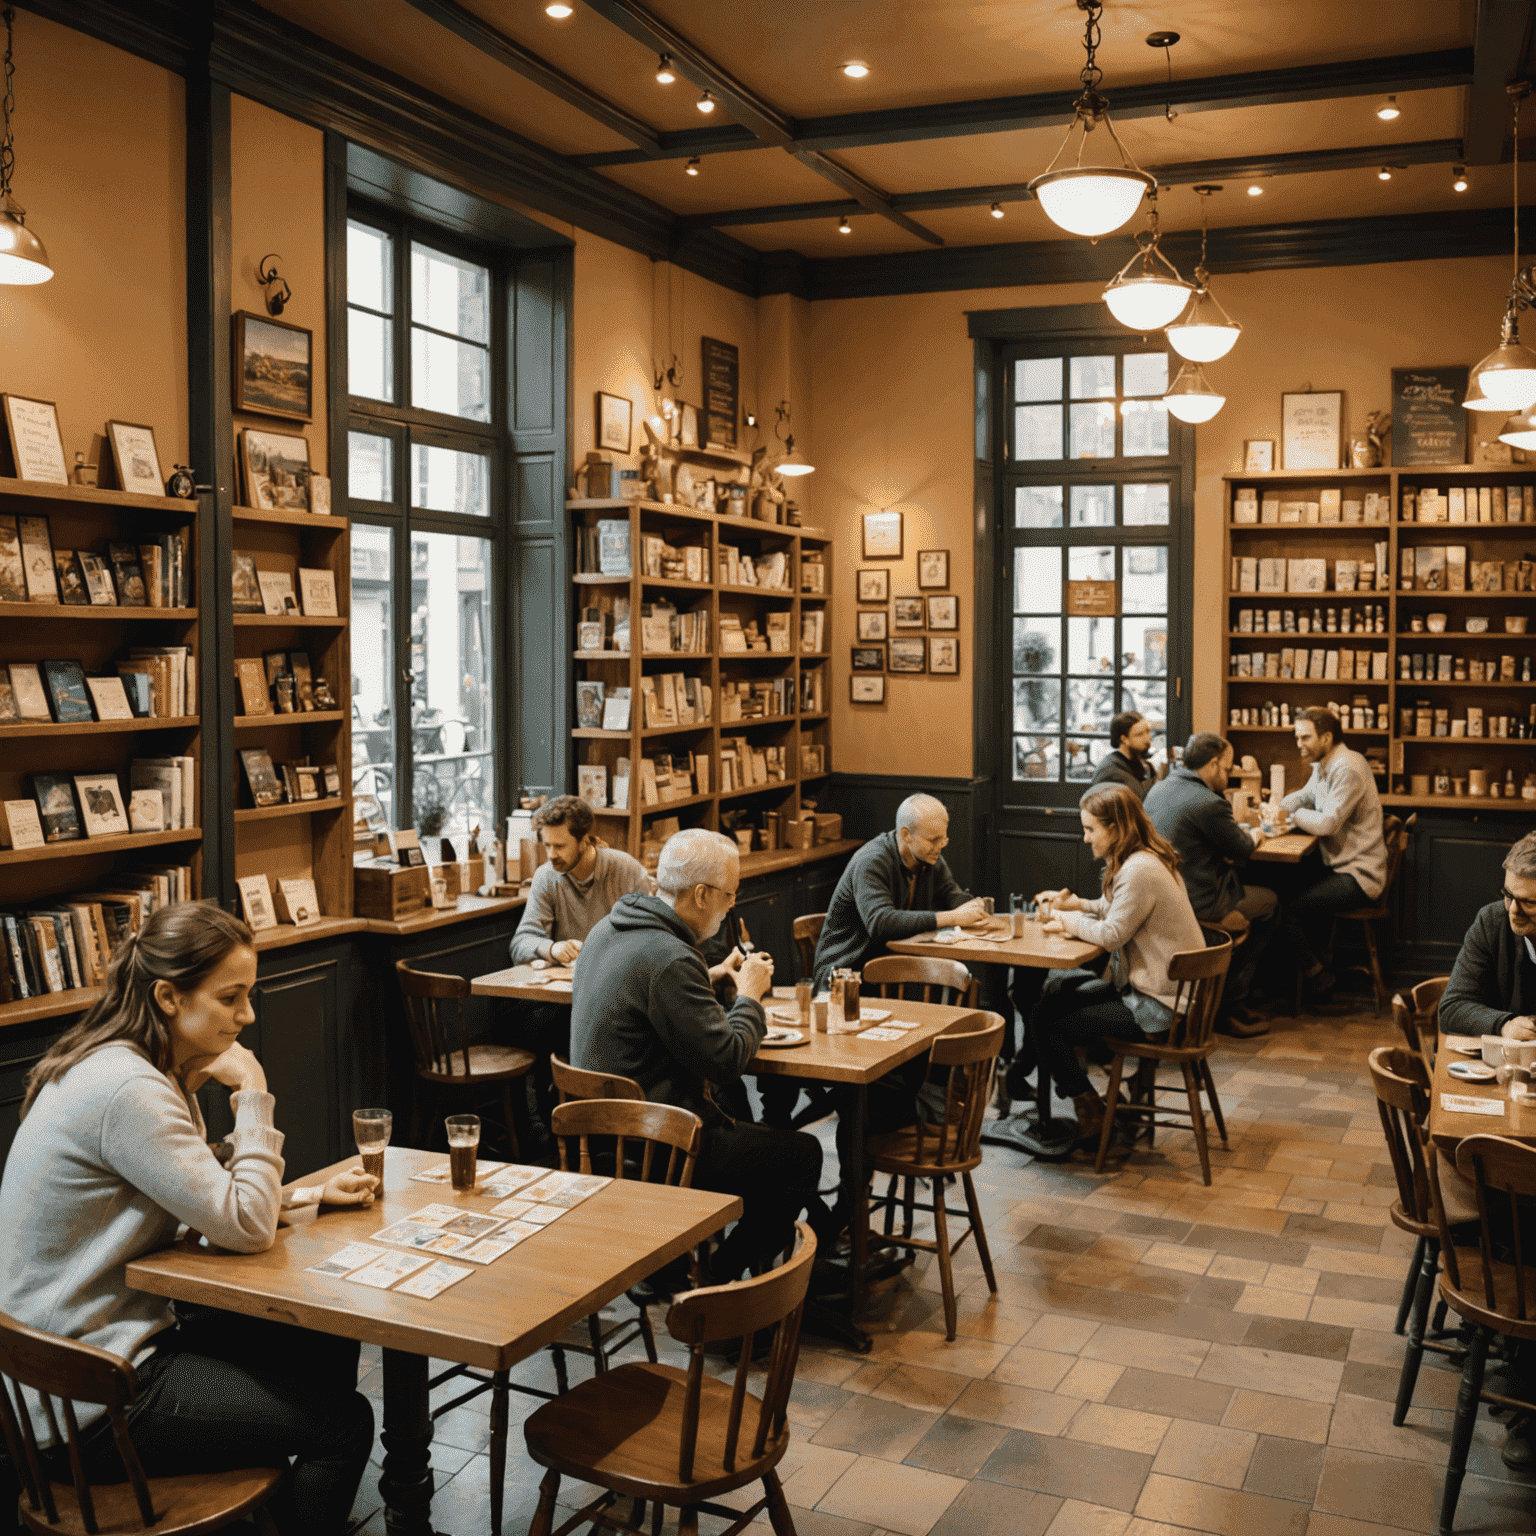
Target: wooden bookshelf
point(1404, 754)
point(791, 731)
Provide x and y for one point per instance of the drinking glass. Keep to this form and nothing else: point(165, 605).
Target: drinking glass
point(463, 1145)
point(989, 904)
point(371, 1129)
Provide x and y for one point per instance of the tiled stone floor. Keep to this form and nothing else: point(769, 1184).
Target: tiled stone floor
point(1160, 1357)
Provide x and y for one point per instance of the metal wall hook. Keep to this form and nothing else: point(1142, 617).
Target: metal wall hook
point(270, 278)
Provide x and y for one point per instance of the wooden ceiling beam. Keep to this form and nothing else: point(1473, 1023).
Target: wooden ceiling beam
point(1498, 58)
point(1005, 114)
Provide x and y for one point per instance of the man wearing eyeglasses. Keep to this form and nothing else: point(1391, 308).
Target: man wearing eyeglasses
point(1492, 990)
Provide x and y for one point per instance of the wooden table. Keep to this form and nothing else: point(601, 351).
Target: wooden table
point(519, 981)
point(1288, 848)
point(1448, 1127)
point(492, 1319)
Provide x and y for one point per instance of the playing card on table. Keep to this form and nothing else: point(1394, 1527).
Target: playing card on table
point(414, 1234)
point(469, 1226)
point(486, 1251)
point(440, 1173)
point(542, 1215)
point(511, 1178)
point(345, 1260)
point(882, 1034)
point(511, 1209)
point(432, 1281)
point(564, 1188)
point(436, 1215)
point(388, 1268)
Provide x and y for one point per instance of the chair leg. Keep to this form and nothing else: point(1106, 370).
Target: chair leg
point(498, 1447)
point(507, 1115)
point(1215, 1103)
point(1197, 1120)
point(1425, 1270)
point(1410, 1286)
point(595, 1335)
point(908, 1205)
point(890, 1205)
point(1111, 1104)
point(688, 1521)
point(778, 1506)
point(946, 1261)
point(1376, 977)
point(562, 1385)
point(648, 1338)
point(1467, 1398)
point(983, 1251)
point(264, 1522)
point(544, 1516)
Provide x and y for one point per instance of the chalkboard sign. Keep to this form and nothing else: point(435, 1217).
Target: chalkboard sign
point(722, 395)
point(1429, 425)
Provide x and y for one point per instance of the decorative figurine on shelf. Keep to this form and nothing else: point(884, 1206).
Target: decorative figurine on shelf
point(324, 698)
point(765, 490)
point(182, 484)
point(652, 470)
point(473, 851)
point(85, 474)
point(1365, 452)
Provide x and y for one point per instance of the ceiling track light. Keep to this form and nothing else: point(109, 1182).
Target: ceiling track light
point(996, 210)
point(854, 69)
point(1149, 299)
point(558, 10)
point(23, 261)
point(843, 226)
point(1091, 200)
point(706, 102)
point(1190, 396)
point(665, 74)
point(692, 167)
point(1205, 331)
point(1385, 173)
point(1255, 190)
point(1388, 110)
point(1459, 179)
point(1506, 378)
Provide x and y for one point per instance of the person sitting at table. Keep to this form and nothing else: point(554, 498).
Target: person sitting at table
point(643, 1006)
point(1129, 761)
point(1339, 805)
point(1190, 810)
point(110, 1159)
point(1143, 920)
point(1492, 990)
point(571, 893)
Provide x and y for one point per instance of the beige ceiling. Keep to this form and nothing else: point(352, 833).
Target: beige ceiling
point(930, 51)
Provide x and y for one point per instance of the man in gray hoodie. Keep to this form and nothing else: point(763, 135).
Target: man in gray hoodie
point(643, 1006)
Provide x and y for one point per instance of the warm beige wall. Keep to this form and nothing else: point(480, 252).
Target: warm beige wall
point(277, 204)
point(893, 392)
point(100, 169)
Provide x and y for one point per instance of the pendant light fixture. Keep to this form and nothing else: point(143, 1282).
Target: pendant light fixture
point(1091, 200)
point(1190, 396)
point(1205, 331)
point(23, 261)
point(792, 463)
point(1507, 376)
point(1520, 431)
point(1146, 300)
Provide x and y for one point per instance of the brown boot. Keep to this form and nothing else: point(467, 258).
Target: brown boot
point(1090, 1114)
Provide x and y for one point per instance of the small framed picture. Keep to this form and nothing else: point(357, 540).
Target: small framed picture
point(909, 656)
point(1312, 429)
point(101, 805)
point(37, 447)
point(872, 625)
point(867, 690)
point(256, 902)
point(276, 470)
point(1258, 454)
point(135, 459)
point(615, 422)
point(317, 589)
point(688, 426)
point(274, 367)
point(943, 656)
point(277, 595)
point(874, 586)
point(944, 612)
point(909, 613)
point(882, 535)
point(932, 568)
point(869, 658)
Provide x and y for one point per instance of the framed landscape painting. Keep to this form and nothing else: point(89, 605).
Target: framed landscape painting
point(274, 367)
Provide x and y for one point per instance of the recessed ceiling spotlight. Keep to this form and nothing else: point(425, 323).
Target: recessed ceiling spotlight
point(706, 102)
point(1459, 183)
point(844, 228)
point(558, 9)
point(997, 210)
point(1255, 190)
point(854, 69)
point(1388, 110)
point(1384, 174)
point(692, 168)
point(665, 74)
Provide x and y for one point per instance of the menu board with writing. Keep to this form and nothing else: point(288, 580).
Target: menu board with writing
point(32, 428)
point(722, 393)
point(1311, 429)
point(1429, 425)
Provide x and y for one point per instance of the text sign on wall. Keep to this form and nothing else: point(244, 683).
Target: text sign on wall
point(1093, 599)
point(1429, 425)
point(722, 394)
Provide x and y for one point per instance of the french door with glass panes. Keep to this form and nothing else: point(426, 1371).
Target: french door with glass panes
point(1095, 525)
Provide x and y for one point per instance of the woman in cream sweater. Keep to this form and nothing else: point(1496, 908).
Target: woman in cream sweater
point(1143, 919)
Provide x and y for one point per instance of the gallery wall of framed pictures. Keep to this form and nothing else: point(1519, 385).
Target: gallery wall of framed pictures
point(918, 632)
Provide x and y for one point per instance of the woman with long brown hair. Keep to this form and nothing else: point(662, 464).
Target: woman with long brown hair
point(1143, 919)
point(110, 1160)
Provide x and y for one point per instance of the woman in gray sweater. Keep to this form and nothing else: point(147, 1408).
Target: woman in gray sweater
point(1143, 919)
point(110, 1160)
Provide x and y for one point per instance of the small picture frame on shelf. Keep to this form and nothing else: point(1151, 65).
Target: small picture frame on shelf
point(275, 470)
point(146, 811)
point(261, 776)
point(868, 658)
point(867, 690)
point(943, 656)
point(882, 535)
point(944, 612)
point(317, 589)
point(874, 586)
point(23, 828)
point(872, 625)
point(1258, 455)
point(37, 560)
point(932, 568)
point(1312, 429)
point(37, 446)
point(256, 902)
point(277, 594)
point(909, 613)
point(274, 367)
point(909, 656)
point(246, 584)
point(615, 422)
point(55, 796)
point(101, 805)
point(135, 458)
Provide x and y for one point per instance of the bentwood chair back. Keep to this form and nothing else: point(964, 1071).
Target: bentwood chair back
point(69, 1372)
point(575, 1083)
point(1426, 1015)
point(1491, 1286)
point(631, 1134)
point(919, 979)
point(965, 1056)
point(807, 933)
point(656, 1434)
point(1198, 976)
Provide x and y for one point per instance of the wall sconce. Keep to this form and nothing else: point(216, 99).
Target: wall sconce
point(270, 279)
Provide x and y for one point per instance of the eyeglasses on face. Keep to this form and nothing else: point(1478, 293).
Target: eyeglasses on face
point(1526, 904)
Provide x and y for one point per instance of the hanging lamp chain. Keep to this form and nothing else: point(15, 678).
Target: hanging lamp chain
point(1091, 104)
point(8, 109)
point(1522, 286)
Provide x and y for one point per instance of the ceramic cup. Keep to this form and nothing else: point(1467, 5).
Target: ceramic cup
point(1493, 1050)
point(1436, 622)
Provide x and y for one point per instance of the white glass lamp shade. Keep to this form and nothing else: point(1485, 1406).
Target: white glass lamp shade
point(22, 257)
point(1506, 378)
point(1205, 332)
point(1476, 401)
point(1190, 396)
point(1146, 300)
point(1519, 431)
point(1091, 200)
point(794, 464)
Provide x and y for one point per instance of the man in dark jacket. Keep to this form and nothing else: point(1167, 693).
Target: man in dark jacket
point(1190, 810)
point(1492, 990)
point(643, 1006)
point(1129, 761)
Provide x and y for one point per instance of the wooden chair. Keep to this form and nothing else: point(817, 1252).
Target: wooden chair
point(445, 1060)
point(1495, 1295)
point(807, 931)
point(1199, 975)
point(917, 979)
point(1397, 835)
point(574, 1083)
point(967, 1054)
point(668, 1437)
point(69, 1372)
